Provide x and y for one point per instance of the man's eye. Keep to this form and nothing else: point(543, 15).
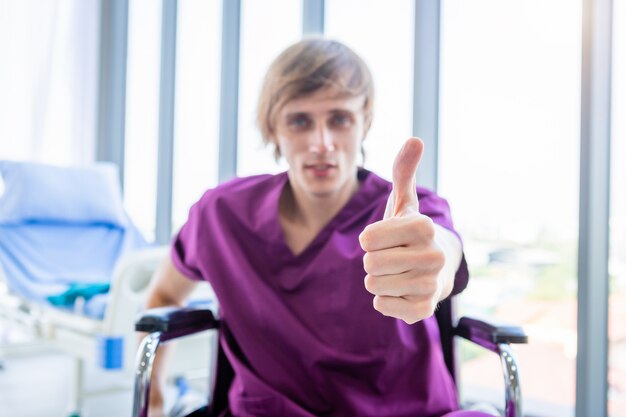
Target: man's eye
point(340, 120)
point(298, 122)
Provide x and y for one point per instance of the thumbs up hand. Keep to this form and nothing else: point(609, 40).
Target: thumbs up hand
point(403, 261)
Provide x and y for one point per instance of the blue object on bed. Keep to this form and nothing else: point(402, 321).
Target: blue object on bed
point(61, 227)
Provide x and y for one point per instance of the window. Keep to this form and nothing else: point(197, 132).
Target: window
point(262, 39)
point(382, 34)
point(196, 127)
point(510, 135)
point(142, 113)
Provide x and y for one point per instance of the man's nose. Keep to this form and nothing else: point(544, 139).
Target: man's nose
point(323, 141)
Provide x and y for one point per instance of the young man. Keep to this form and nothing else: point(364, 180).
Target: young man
point(327, 275)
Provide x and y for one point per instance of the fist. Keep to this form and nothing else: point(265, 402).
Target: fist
point(402, 260)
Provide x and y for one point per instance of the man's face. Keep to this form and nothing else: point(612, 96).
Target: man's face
point(320, 137)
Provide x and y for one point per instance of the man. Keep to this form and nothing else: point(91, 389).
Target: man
point(327, 275)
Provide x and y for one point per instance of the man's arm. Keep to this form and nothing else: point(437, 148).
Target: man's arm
point(453, 252)
point(167, 288)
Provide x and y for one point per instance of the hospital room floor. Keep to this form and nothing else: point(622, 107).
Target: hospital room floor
point(39, 386)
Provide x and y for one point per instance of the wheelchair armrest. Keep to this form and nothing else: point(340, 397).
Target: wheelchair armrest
point(174, 322)
point(497, 337)
point(163, 324)
point(489, 334)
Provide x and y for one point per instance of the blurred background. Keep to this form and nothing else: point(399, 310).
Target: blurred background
point(497, 89)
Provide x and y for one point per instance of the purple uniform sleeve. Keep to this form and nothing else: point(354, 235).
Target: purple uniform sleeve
point(438, 210)
point(184, 251)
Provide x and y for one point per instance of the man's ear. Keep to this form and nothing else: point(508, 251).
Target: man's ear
point(367, 123)
point(272, 141)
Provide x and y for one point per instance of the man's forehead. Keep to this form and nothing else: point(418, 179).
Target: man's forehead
point(324, 101)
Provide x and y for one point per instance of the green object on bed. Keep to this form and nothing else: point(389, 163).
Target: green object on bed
point(76, 290)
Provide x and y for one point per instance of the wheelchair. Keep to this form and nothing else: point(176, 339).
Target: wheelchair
point(169, 323)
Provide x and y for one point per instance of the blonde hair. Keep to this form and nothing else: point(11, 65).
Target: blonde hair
point(306, 67)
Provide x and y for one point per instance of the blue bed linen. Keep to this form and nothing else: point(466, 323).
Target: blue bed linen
point(62, 228)
point(44, 259)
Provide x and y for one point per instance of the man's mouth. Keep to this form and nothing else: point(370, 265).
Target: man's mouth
point(320, 169)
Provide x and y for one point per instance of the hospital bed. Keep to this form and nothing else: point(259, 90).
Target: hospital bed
point(74, 271)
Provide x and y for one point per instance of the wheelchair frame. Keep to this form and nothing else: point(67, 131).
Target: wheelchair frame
point(168, 323)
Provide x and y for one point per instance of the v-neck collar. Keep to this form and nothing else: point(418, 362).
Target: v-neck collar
point(371, 187)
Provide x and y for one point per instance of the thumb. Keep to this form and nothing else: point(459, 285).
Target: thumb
point(403, 198)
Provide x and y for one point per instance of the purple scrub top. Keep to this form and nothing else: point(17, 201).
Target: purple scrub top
point(300, 331)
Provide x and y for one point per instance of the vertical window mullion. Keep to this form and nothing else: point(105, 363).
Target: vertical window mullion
point(592, 365)
point(313, 17)
point(229, 96)
point(165, 170)
point(112, 88)
point(426, 87)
